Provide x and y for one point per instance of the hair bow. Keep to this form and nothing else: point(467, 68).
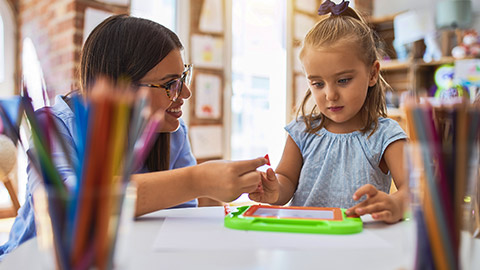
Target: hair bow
point(329, 6)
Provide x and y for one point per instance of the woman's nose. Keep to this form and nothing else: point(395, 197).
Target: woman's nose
point(186, 93)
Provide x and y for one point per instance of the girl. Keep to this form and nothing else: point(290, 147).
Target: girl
point(150, 55)
point(344, 148)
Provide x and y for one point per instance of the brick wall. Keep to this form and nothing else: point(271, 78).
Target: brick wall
point(56, 29)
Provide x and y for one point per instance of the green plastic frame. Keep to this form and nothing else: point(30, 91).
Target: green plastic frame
point(236, 220)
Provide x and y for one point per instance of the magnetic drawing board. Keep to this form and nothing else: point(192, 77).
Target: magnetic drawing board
point(326, 220)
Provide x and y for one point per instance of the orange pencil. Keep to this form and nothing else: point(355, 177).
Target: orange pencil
point(110, 188)
point(94, 163)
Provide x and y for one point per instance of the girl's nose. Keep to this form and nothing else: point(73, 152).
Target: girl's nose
point(331, 93)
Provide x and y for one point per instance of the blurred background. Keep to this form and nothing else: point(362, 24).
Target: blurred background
point(248, 80)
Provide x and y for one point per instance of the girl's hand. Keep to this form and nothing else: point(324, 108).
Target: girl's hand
point(268, 190)
point(227, 180)
point(379, 204)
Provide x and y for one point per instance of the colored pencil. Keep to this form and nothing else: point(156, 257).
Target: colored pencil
point(447, 136)
point(114, 129)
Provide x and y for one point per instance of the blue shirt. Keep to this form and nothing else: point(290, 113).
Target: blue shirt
point(23, 227)
point(336, 165)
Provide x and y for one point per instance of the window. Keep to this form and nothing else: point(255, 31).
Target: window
point(258, 79)
point(7, 50)
point(33, 75)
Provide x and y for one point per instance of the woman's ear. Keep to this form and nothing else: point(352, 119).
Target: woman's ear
point(374, 71)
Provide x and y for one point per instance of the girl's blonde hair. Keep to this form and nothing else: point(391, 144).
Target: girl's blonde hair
point(348, 27)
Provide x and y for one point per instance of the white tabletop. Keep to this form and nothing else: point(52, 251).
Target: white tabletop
point(390, 247)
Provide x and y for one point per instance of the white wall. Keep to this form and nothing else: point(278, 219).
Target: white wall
point(387, 7)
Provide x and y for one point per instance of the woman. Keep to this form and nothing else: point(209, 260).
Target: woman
point(150, 55)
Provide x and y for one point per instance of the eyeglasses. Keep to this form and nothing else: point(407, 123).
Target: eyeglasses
point(174, 87)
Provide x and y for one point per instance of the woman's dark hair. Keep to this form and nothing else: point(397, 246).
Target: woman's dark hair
point(129, 47)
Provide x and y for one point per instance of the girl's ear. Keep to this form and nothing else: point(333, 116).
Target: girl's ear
point(374, 71)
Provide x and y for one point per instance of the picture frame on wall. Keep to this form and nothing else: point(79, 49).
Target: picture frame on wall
point(207, 51)
point(207, 100)
point(211, 17)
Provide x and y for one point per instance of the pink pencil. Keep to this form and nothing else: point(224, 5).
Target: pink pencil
point(144, 144)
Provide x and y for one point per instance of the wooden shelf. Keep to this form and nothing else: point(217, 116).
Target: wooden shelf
point(391, 65)
point(394, 65)
point(382, 19)
point(443, 60)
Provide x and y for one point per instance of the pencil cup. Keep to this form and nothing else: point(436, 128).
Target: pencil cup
point(442, 207)
point(88, 231)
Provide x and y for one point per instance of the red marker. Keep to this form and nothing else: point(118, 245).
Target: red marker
point(227, 209)
point(268, 159)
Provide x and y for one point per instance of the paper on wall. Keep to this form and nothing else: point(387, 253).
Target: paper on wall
point(207, 51)
point(211, 17)
point(208, 89)
point(206, 141)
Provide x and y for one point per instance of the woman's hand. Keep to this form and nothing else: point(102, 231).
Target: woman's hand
point(227, 180)
point(269, 189)
point(382, 206)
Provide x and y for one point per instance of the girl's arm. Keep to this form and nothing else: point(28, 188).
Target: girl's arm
point(395, 160)
point(288, 171)
point(382, 206)
point(278, 188)
point(220, 180)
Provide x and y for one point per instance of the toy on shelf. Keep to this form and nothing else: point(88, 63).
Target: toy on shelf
point(470, 46)
point(445, 86)
point(432, 50)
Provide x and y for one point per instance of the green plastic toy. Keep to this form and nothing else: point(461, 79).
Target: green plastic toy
point(319, 220)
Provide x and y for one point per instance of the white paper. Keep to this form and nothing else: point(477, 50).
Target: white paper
point(93, 17)
point(302, 24)
point(207, 233)
point(207, 96)
point(207, 51)
point(206, 141)
point(211, 17)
